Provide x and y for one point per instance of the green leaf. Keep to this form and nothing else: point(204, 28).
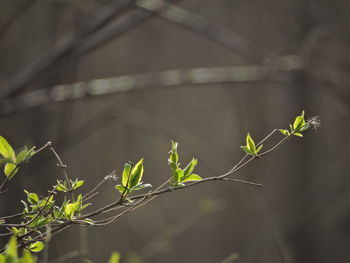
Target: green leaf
point(284, 132)
point(298, 123)
point(32, 198)
point(78, 184)
point(71, 208)
point(61, 188)
point(27, 257)
point(22, 156)
point(126, 174)
point(136, 173)
point(178, 175)
point(190, 167)
point(2, 258)
point(192, 177)
point(305, 127)
point(11, 248)
point(174, 156)
point(36, 246)
point(298, 134)
point(140, 186)
point(174, 146)
point(115, 258)
point(6, 149)
point(5, 160)
point(121, 189)
point(250, 143)
point(247, 151)
point(10, 170)
point(40, 222)
point(259, 148)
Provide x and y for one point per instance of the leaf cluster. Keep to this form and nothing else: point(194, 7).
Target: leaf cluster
point(11, 160)
point(131, 179)
point(181, 176)
point(250, 147)
point(11, 254)
point(299, 126)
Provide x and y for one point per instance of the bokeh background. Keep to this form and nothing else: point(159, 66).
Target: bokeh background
point(112, 81)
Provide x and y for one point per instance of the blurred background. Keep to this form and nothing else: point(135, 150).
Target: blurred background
point(115, 80)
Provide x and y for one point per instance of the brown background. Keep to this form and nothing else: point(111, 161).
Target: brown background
point(302, 212)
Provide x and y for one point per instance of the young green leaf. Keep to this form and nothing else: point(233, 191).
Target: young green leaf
point(126, 174)
point(192, 177)
point(61, 187)
point(174, 156)
point(6, 149)
point(246, 149)
point(250, 143)
point(115, 258)
point(11, 248)
point(178, 175)
point(140, 186)
point(298, 134)
point(190, 167)
point(22, 156)
point(71, 208)
point(36, 246)
point(259, 148)
point(32, 198)
point(298, 123)
point(136, 173)
point(284, 132)
point(27, 257)
point(121, 189)
point(10, 170)
point(77, 184)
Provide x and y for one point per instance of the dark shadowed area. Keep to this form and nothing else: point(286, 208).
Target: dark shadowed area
point(111, 81)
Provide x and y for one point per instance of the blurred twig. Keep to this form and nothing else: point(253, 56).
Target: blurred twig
point(169, 78)
point(65, 45)
point(20, 9)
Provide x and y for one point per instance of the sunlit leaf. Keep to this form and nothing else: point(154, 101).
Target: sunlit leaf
point(192, 177)
point(247, 151)
point(140, 186)
point(190, 167)
point(120, 188)
point(36, 246)
point(22, 156)
point(259, 148)
point(298, 134)
point(6, 149)
point(284, 132)
point(178, 174)
point(136, 173)
point(27, 257)
point(115, 258)
point(250, 143)
point(11, 248)
point(78, 184)
point(10, 170)
point(32, 198)
point(298, 123)
point(126, 174)
point(61, 188)
point(71, 208)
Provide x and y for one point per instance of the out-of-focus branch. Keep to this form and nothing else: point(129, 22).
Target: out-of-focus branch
point(199, 24)
point(169, 78)
point(65, 45)
point(20, 9)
